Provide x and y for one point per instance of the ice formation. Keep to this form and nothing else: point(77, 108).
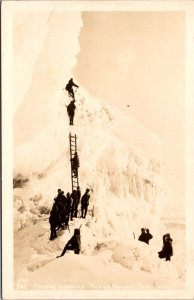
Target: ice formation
point(119, 161)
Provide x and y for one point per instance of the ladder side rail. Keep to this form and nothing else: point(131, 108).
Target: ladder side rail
point(71, 161)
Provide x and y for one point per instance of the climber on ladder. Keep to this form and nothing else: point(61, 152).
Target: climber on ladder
point(74, 159)
point(69, 88)
point(75, 164)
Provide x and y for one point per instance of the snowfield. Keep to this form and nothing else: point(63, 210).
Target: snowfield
point(120, 162)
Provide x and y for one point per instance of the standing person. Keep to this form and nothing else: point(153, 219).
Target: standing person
point(73, 209)
point(84, 203)
point(75, 164)
point(77, 196)
point(167, 250)
point(69, 88)
point(71, 111)
point(73, 244)
point(69, 203)
point(142, 237)
point(53, 220)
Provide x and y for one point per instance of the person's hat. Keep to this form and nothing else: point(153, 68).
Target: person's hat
point(87, 190)
point(59, 190)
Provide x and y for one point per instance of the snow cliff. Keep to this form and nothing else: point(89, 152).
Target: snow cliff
point(119, 160)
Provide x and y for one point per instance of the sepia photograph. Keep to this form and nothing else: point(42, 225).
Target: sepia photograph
point(97, 167)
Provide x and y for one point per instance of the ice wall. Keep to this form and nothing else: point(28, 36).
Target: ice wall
point(119, 160)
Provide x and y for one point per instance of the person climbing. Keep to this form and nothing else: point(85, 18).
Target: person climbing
point(71, 111)
point(148, 236)
point(84, 203)
point(73, 244)
point(142, 237)
point(69, 88)
point(167, 250)
point(75, 164)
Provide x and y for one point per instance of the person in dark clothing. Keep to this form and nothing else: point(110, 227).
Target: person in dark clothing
point(74, 205)
point(84, 203)
point(148, 236)
point(73, 244)
point(56, 199)
point(75, 164)
point(142, 236)
point(69, 204)
point(53, 224)
point(167, 250)
point(78, 194)
point(62, 209)
point(59, 209)
point(71, 111)
point(69, 88)
point(145, 236)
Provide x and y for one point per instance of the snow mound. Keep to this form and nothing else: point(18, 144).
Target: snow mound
point(119, 160)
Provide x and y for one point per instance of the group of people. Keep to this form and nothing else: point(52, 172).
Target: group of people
point(145, 235)
point(75, 243)
point(65, 208)
point(167, 250)
point(71, 107)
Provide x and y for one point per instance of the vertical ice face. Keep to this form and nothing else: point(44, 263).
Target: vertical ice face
point(119, 160)
point(55, 40)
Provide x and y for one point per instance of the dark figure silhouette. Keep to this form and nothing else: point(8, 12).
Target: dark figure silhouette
point(71, 111)
point(75, 164)
point(69, 88)
point(148, 236)
point(84, 203)
point(53, 224)
point(167, 250)
point(142, 236)
point(69, 204)
point(145, 236)
point(59, 210)
point(78, 194)
point(73, 244)
point(74, 205)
